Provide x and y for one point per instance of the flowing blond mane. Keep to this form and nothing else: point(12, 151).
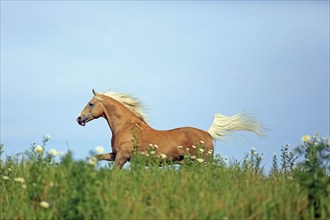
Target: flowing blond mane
point(132, 103)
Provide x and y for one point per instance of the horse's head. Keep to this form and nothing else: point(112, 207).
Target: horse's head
point(94, 109)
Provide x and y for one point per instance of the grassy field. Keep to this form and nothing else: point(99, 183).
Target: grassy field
point(39, 185)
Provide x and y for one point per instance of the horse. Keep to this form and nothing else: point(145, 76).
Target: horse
point(130, 130)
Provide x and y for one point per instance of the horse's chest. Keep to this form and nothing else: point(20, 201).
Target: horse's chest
point(122, 142)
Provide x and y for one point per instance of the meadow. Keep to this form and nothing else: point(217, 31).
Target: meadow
point(40, 184)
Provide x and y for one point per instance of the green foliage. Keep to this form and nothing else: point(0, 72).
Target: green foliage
point(252, 161)
point(288, 159)
point(313, 173)
point(274, 168)
point(39, 185)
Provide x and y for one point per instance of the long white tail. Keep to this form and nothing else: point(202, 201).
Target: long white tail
point(224, 125)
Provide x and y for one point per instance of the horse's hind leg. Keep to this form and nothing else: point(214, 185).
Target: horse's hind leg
point(108, 156)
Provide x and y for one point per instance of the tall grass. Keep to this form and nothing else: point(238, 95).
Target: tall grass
point(37, 185)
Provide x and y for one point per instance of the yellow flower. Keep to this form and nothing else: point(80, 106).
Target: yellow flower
point(306, 138)
point(52, 152)
point(99, 149)
point(19, 180)
point(44, 204)
point(39, 149)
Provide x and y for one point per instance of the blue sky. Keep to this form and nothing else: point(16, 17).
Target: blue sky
point(184, 60)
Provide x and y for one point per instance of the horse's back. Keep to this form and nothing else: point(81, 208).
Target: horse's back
point(186, 137)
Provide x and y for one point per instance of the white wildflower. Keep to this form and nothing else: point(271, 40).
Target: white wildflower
point(156, 146)
point(60, 154)
point(151, 145)
point(180, 147)
point(44, 204)
point(163, 156)
point(306, 138)
point(5, 177)
point(19, 180)
point(201, 150)
point(99, 149)
point(47, 137)
point(193, 157)
point(152, 152)
point(39, 149)
point(200, 160)
point(52, 152)
point(187, 149)
point(193, 146)
point(202, 142)
point(92, 161)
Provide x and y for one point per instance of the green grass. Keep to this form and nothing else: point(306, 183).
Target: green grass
point(77, 190)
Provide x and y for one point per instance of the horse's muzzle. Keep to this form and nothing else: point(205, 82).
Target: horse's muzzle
point(81, 121)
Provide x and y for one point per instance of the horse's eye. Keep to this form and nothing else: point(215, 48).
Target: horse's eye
point(91, 104)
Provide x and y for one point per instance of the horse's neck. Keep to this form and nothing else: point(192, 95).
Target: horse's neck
point(118, 116)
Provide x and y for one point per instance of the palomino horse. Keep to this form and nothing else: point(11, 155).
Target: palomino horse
point(127, 122)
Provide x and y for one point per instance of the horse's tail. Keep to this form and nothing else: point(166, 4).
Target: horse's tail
point(223, 125)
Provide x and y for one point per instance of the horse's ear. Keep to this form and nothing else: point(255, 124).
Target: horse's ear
point(95, 94)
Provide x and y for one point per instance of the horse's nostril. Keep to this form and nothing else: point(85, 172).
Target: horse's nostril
point(81, 121)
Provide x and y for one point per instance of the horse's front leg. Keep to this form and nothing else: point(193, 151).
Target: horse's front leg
point(108, 156)
point(121, 159)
